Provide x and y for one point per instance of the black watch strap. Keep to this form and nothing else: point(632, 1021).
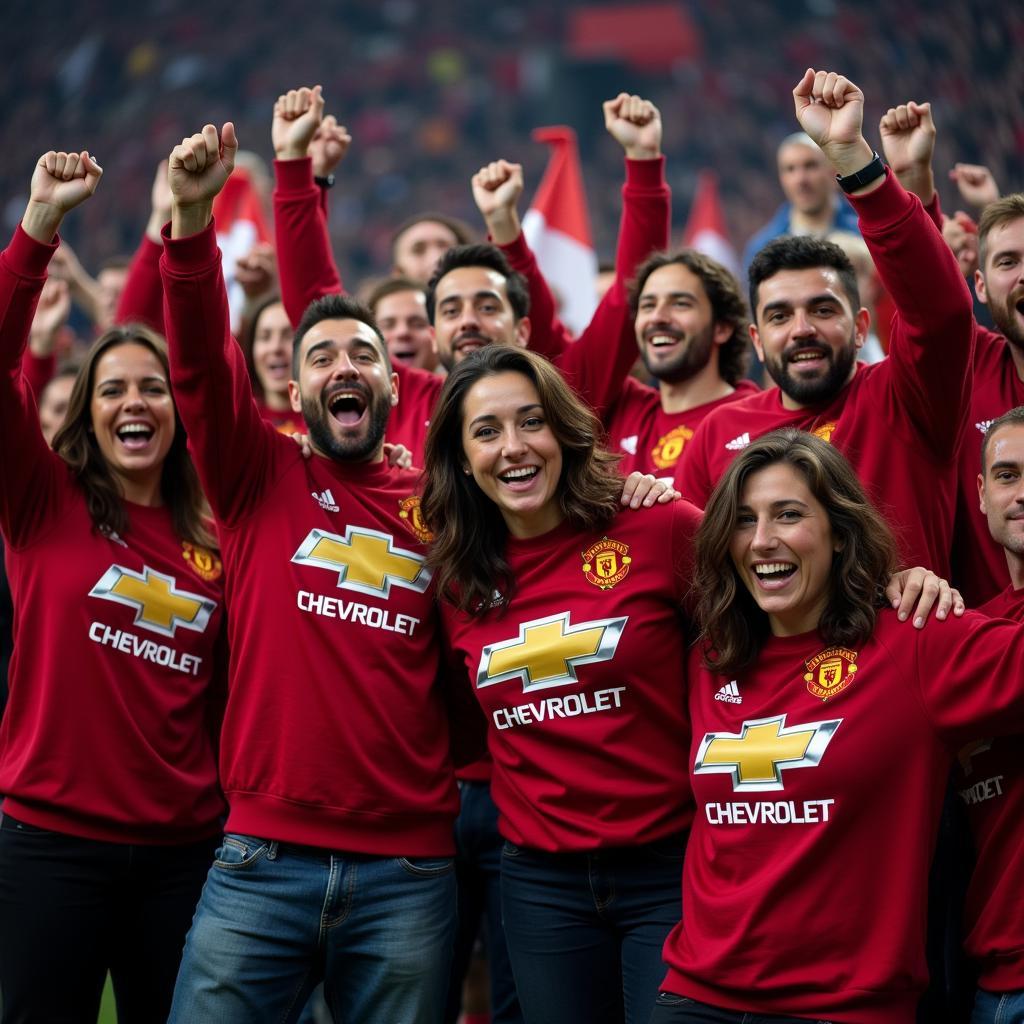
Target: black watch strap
point(327, 182)
point(851, 182)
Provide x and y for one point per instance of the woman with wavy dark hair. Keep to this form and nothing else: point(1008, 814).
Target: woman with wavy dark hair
point(111, 806)
point(823, 731)
point(563, 607)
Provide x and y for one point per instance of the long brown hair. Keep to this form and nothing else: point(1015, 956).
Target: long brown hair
point(76, 445)
point(732, 627)
point(468, 553)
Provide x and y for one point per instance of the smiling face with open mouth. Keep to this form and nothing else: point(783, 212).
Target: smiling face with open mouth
point(782, 548)
point(512, 452)
point(272, 354)
point(132, 417)
point(345, 389)
point(1000, 283)
point(807, 335)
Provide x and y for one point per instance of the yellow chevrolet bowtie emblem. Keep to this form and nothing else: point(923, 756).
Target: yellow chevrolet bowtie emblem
point(158, 602)
point(756, 757)
point(547, 651)
point(365, 560)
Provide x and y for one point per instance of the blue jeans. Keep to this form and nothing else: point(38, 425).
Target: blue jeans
point(585, 930)
point(673, 1009)
point(998, 1007)
point(275, 919)
point(478, 871)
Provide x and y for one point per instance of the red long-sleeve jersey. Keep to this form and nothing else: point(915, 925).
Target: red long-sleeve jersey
point(818, 775)
point(900, 422)
point(335, 732)
point(581, 676)
point(107, 733)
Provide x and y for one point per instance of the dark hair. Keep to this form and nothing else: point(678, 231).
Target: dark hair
point(802, 252)
point(248, 340)
point(481, 255)
point(76, 444)
point(468, 553)
point(1013, 418)
point(334, 307)
point(727, 305)
point(1004, 210)
point(391, 286)
point(732, 627)
point(459, 228)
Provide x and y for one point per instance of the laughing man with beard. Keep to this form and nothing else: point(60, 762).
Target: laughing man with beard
point(900, 421)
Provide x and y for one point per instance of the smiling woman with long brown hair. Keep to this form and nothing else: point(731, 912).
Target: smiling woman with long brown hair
point(111, 805)
point(823, 734)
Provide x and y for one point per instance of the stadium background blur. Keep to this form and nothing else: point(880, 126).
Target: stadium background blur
point(432, 91)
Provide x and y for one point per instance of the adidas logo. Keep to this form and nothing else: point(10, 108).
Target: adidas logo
point(984, 425)
point(730, 693)
point(326, 501)
point(628, 444)
point(737, 444)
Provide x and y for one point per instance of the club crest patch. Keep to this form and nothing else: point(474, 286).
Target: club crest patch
point(606, 563)
point(665, 454)
point(830, 672)
point(203, 562)
point(409, 511)
point(825, 431)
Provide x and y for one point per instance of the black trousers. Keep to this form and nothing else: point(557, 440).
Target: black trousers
point(673, 1009)
point(71, 909)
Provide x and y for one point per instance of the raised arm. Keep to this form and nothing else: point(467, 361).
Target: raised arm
point(301, 134)
point(231, 444)
point(28, 468)
point(598, 363)
point(932, 340)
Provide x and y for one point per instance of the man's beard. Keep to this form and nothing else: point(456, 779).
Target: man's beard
point(1003, 316)
point(684, 364)
point(815, 389)
point(356, 449)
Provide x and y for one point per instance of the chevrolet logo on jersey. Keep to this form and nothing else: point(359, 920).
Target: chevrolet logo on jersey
point(365, 560)
point(158, 602)
point(547, 651)
point(756, 757)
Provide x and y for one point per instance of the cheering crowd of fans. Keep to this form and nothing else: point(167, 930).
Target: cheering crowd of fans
point(392, 655)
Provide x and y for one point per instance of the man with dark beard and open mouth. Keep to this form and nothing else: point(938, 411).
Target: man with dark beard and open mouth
point(336, 863)
point(900, 421)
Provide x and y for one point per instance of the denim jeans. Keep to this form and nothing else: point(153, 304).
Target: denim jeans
point(478, 872)
point(998, 1007)
point(585, 930)
point(673, 1009)
point(71, 909)
point(275, 919)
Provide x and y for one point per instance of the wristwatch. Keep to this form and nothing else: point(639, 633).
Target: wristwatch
point(851, 182)
point(327, 182)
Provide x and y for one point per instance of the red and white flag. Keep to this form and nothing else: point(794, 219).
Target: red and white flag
point(705, 230)
point(241, 223)
point(557, 228)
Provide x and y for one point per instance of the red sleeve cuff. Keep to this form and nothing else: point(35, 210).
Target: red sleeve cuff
point(294, 175)
point(648, 174)
point(890, 202)
point(518, 251)
point(187, 255)
point(28, 257)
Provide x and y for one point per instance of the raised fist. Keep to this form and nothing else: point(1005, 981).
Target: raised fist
point(908, 136)
point(198, 168)
point(63, 180)
point(976, 184)
point(329, 146)
point(297, 116)
point(635, 124)
point(830, 109)
point(497, 187)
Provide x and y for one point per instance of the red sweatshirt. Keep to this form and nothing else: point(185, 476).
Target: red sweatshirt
point(990, 779)
point(650, 439)
point(979, 563)
point(335, 734)
point(142, 300)
point(106, 734)
point(900, 421)
point(818, 776)
point(581, 678)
